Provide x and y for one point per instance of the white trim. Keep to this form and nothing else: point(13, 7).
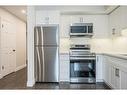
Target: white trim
point(30, 45)
point(30, 83)
point(1, 76)
point(20, 67)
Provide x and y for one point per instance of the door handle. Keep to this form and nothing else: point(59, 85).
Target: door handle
point(117, 72)
point(14, 50)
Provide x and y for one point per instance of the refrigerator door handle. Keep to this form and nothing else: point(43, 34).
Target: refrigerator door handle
point(43, 55)
point(57, 36)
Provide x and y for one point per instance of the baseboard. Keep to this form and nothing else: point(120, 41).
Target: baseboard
point(1, 76)
point(30, 83)
point(20, 67)
point(99, 80)
point(108, 84)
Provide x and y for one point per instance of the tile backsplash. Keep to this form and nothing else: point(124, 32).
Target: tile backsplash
point(107, 45)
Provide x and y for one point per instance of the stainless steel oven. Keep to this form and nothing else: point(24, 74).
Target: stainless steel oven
point(81, 29)
point(82, 64)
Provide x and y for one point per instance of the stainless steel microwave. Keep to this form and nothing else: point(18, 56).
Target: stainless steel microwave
point(81, 29)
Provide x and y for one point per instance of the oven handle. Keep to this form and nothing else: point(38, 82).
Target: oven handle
point(83, 55)
point(86, 58)
point(79, 50)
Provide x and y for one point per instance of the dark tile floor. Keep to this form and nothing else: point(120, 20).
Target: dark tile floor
point(18, 79)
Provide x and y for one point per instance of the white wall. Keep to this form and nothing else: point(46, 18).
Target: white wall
point(101, 45)
point(20, 37)
point(21, 44)
point(119, 45)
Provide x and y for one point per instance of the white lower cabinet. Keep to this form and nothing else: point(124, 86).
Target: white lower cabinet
point(99, 73)
point(106, 70)
point(64, 68)
point(123, 80)
point(113, 73)
point(115, 77)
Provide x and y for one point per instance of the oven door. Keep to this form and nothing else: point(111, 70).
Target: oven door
point(83, 70)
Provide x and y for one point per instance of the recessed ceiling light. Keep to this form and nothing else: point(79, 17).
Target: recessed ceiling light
point(23, 11)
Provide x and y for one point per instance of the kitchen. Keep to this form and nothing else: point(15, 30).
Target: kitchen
point(102, 46)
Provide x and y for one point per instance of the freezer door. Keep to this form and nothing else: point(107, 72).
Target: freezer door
point(50, 35)
point(38, 34)
point(51, 66)
point(38, 60)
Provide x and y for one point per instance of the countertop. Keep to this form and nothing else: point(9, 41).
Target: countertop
point(117, 55)
point(121, 56)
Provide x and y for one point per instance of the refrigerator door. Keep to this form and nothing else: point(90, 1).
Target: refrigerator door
point(50, 35)
point(38, 34)
point(51, 66)
point(39, 63)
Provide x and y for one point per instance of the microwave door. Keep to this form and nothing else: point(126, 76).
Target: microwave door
point(78, 30)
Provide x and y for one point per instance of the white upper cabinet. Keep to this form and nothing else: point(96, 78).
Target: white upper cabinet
point(47, 17)
point(117, 21)
point(100, 23)
point(124, 16)
point(64, 26)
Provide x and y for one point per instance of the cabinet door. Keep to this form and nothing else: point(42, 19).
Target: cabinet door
point(115, 22)
point(54, 17)
point(41, 17)
point(106, 70)
point(64, 68)
point(123, 80)
point(64, 27)
point(124, 16)
point(47, 17)
point(100, 26)
point(76, 19)
point(115, 78)
point(99, 75)
point(64, 71)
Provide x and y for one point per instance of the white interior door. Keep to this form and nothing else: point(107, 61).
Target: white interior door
point(8, 47)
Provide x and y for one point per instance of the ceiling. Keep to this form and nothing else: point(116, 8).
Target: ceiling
point(17, 11)
point(86, 9)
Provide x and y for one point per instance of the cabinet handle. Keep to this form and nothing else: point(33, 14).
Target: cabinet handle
point(2, 25)
point(117, 72)
point(14, 50)
point(81, 19)
point(113, 31)
point(2, 67)
point(97, 59)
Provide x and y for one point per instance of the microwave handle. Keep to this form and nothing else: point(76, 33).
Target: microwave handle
point(87, 29)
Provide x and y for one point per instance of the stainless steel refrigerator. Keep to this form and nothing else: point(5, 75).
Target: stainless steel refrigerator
point(46, 50)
